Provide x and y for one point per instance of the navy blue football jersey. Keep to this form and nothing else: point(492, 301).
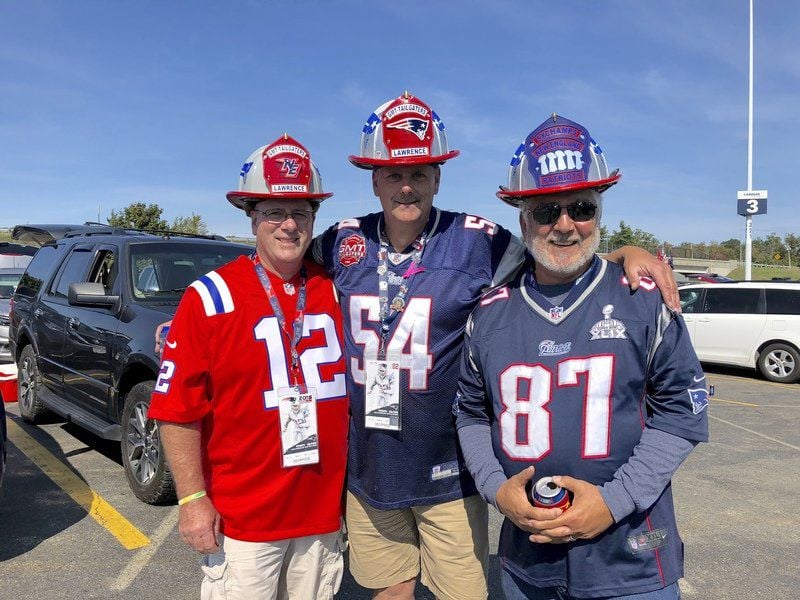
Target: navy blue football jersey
point(421, 463)
point(569, 389)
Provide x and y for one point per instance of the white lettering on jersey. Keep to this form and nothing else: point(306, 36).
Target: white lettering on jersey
point(310, 359)
point(500, 294)
point(408, 344)
point(472, 222)
point(164, 376)
point(644, 282)
point(525, 426)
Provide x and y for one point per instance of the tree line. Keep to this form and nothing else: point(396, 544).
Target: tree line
point(770, 250)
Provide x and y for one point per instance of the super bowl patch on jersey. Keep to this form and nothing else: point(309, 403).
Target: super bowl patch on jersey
point(608, 328)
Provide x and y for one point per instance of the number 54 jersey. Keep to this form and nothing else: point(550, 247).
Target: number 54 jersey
point(569, 389)
point(420, 463)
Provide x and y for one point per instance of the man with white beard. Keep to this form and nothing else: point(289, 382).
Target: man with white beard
point(569, 374)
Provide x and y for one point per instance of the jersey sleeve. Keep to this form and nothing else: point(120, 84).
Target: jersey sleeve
point(322, 249)
point(677, 396)
point(469, 405)
point(181, 393)
point(508, 255)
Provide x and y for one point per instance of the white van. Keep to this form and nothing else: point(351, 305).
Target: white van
point(747, 323)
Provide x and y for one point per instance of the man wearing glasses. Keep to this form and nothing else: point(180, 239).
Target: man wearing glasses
point(254, 345)
point(566, 373)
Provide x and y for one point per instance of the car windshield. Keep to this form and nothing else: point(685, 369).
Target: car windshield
point(163, 271)
point(8, 283)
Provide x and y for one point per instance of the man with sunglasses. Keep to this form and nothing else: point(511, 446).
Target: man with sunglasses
point(255, 347)
point(566, 373)
point(408, 277)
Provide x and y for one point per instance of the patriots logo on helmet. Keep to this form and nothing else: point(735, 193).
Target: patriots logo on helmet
point(371, 124)
point(289, 166)
point(418, 127)
point(245, 170)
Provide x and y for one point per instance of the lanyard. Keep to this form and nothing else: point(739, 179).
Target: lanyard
point(388, 312)
point(297, 326)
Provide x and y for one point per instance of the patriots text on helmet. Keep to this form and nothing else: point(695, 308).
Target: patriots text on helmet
point(404, 152)
point(281, 148)
point(415, 108)
point(569, 177)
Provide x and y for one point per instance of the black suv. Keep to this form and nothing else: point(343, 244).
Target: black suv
point(83, 319)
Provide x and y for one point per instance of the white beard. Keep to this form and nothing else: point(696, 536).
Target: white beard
point(546, 254)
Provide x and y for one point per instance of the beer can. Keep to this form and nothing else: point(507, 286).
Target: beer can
point(547, 494)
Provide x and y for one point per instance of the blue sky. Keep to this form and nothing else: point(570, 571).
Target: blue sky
point(107, 103)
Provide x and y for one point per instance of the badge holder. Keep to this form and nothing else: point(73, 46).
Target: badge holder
point(382, 395)
point(297, 408)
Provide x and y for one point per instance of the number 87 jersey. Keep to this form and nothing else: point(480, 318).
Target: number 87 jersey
point(570, 389)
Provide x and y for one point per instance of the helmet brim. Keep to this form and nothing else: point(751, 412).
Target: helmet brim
point(517, 198)
point(374, 163)
point(241, 199)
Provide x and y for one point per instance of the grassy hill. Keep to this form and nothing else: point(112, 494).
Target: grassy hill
point(767, 272)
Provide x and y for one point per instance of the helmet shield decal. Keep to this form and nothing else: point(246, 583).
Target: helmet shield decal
point(286, 167)
point(558, 153)
point(407, 128)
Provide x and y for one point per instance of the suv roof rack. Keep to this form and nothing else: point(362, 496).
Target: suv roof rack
point(43, 234)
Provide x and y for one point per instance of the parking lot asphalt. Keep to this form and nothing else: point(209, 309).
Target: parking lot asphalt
point(70, 528)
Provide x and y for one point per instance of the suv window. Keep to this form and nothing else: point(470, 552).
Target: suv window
point(74, 270)
point(160, 270)
point(733, 301)
point(783, 302)
point(105, 270)
point(38, 270)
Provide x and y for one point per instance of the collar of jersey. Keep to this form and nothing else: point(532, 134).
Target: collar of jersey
point(430, 229)
point(584, 286)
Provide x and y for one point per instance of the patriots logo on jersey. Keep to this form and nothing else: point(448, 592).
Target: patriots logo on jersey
point(699, 398)
point(419, 127)
point(245, 170)
point(290, 167)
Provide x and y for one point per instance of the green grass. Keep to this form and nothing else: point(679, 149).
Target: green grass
point(766, 273)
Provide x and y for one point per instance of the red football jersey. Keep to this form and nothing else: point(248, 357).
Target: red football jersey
point(224, 361)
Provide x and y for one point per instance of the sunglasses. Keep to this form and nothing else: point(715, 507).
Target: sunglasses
point(547, 214)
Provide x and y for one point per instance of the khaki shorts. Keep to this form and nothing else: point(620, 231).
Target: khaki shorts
point(311, 568)
point(448, 543)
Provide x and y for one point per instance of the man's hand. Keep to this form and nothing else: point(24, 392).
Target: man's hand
point(158, 335)
point(512, 500)
point(638, 262)
point(587, 517)
point(198, 524)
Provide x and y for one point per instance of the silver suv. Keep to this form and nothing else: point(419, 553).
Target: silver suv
point(752, 324)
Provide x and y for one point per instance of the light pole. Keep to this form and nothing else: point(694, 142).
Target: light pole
point(748, 242)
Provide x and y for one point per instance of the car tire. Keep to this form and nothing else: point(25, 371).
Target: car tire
point(143, 455)
point(780, 362)
point(29, 382)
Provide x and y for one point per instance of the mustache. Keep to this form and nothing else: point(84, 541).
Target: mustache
point(563, 238)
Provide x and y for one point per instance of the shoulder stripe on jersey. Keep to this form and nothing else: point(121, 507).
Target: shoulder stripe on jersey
point(214, 293)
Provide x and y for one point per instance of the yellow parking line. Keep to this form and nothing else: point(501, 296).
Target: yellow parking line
point(713, 399)
point(754, 379)
point(100, 510)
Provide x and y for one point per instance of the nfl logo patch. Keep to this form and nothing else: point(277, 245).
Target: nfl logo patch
point(556, 313)
point(352, 250)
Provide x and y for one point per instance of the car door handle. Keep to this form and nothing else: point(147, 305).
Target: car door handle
point(73, 322)
point(38, 312)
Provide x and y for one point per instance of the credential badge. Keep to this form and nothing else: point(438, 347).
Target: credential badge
point(608, 328)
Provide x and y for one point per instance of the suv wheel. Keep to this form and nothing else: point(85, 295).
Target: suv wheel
point(29, 381)
point(142, 453)
point(779, 362)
